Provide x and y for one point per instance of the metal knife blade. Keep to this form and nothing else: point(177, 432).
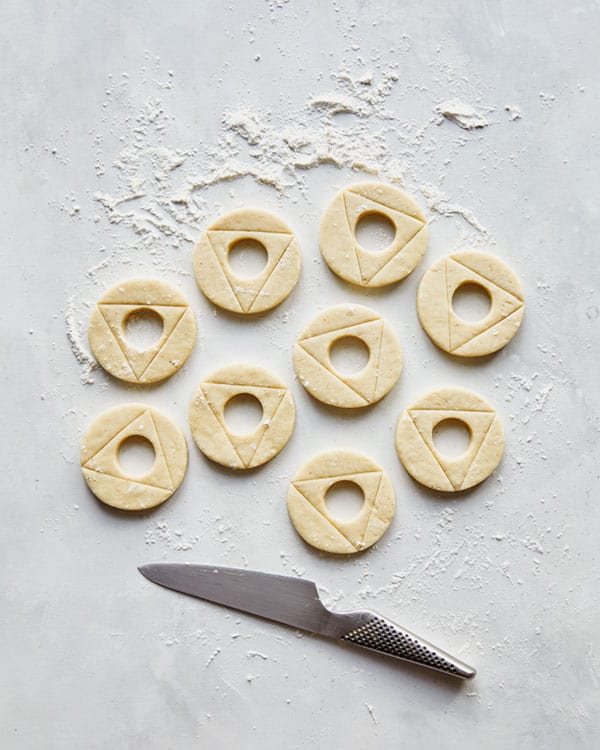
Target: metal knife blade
point(292, 601)
point(296, 602)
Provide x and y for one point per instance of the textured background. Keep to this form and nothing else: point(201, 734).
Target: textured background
point(103, 102)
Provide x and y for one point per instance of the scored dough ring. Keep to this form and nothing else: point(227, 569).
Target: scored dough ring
point(108, 339)
point(210, 430)
point(416, 449)
point(100, 457)
point(340, 248)
point(271, 286)
point(455, 335)
point(316, 372)
point(308, 510)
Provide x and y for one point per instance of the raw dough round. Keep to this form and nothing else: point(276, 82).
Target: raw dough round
point(458, 336)
point(207, 416)
point(108, 338)
point(308, 510)
point(346, 258)
point(100, 457)
point(313, 362)
point(414, 440)
point(271, 286)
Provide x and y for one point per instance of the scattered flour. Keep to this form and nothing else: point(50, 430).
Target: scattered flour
point(157, 195)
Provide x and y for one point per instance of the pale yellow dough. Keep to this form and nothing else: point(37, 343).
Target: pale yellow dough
point(107, 331)
point(207, 417)
point(460, 337)
point(100, 457)
point(222, 286)
point(317, 374)
point(414, 440)
point(346, 258)
point(309, 514)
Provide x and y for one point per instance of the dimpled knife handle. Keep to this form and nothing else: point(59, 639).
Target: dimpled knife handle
point(388, 638)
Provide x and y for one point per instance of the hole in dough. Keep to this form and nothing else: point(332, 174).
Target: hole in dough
point(143, 328)
point(243, 414)
point(471, 302)
point(344, 500)
point(247, 258)
point(349, 355)
point(374, 232)
point(136, 456)
point(451, 438)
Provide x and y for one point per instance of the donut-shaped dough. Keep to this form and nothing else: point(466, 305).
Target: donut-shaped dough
point(271, 286)
point(100, 457)
point(346, 258)
point(308, 510)
point(109, 342)
point(207, 416)
point(455, 335)
point(414, 440)
point(316, 372)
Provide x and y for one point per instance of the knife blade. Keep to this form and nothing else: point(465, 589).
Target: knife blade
point(296, 602)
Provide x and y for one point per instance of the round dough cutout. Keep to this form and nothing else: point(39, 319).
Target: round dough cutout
point(109, 342)
point(341, 250)
point(100, 457)
point(271, 286)
point(210, 430)
point(421, 459)
point(312, 357)
point(308, 510)
point(464, 338)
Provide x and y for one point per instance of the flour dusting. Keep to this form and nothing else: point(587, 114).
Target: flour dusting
point(157, 193)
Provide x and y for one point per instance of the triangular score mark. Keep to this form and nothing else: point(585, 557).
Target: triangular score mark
point(245, 290)
point(378, 363)
point(120, 430)
point(162, 448)
point(370, 479)
point(221, 423)
point(330, 521)
point(386, 205)
point(340, 329)
point(488, 330)
point(270, 275)
point(333, 375)
point(118, 344)
point(478, 424)
point(108, 455)
point(267, 427)
point(327, 520)
point(126, 480)
point(402, 249)
point(371, 334)
point(406, 227)
point(149, 365)
point(476, 452)
point(225, 276)
point(115, 317)
point(449, 409)
point(217, 395)
point(432, 454)
point(372, 511)
point(458, 274)
point(491, 281)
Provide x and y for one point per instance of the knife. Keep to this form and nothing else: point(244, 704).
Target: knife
point(296, 602)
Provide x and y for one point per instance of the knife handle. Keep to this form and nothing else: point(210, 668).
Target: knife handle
point(385, 637)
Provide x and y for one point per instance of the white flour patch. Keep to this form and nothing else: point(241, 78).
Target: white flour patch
point(463, 115)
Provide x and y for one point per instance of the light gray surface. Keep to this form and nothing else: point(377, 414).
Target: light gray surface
point(505, 576)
